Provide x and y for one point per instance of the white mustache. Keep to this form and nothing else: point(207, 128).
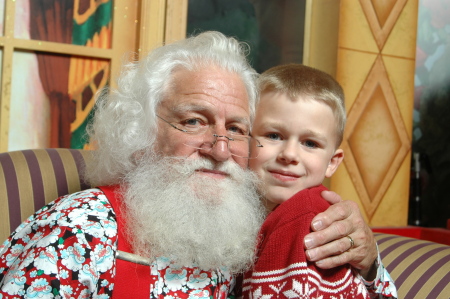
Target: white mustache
point(189, 167)
point(177, 213)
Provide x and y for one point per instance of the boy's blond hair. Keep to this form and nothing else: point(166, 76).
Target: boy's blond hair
point(297, 80)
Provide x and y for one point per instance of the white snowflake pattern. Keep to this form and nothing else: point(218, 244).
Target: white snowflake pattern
point(257, 294)
point(300, 290)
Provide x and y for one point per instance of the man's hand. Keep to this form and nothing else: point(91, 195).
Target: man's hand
point(328, 244)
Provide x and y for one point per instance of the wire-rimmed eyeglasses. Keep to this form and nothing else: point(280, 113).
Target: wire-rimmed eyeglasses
point(238, 144)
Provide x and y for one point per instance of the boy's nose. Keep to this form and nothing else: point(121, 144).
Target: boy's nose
point(289, 153)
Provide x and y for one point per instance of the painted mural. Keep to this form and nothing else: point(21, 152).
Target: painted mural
point(429, 203)
point(274, 30)
point(53, 106)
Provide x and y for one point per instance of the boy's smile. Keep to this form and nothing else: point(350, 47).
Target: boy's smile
point(284, 175)
point(299, 145)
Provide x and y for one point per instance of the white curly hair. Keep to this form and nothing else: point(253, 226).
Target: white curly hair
point(125, 121)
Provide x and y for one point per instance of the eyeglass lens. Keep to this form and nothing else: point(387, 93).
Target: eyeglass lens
point(239, 146)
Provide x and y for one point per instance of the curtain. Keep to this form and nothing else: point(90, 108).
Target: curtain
point(52, 20)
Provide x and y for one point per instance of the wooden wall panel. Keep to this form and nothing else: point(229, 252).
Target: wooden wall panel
point(376, 59)
point(137, 27)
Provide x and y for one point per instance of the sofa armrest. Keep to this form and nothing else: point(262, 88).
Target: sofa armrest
point(29, 179)
point(420, 269)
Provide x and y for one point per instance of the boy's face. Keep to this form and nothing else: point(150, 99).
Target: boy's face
point(299, 140)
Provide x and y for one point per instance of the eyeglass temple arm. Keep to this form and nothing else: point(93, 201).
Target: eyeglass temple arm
point(172, 125)
point(259, 143)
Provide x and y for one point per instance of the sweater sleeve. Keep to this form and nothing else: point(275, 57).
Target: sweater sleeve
point(282, 269)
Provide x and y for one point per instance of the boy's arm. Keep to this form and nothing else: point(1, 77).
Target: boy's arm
point(329, 246)
point(281, 269)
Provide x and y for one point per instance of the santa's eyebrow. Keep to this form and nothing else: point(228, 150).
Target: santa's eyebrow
point(199, 108)
point(188, 107)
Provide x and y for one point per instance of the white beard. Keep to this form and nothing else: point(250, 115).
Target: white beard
point(193, 219)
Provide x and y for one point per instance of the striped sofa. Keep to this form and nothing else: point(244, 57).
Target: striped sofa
point(31, 178)
point(421, 269)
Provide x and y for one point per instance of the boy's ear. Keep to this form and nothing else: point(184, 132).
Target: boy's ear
point(336, 159)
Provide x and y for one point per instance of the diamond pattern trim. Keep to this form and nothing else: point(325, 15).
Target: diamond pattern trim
point(382, 16)
point(371, 121)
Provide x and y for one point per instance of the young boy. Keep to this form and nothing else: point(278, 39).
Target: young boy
point(300, 123)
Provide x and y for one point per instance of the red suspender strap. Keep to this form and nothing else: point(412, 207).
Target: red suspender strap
point(131, 280)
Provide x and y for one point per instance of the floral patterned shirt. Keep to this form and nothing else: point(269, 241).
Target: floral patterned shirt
point(67, 249)
point(383, 285)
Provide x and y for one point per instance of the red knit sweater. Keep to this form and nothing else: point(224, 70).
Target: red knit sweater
point(282, 270)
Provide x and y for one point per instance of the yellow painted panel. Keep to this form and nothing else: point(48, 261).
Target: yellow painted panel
point(176, 20)
point(125, 36)
point(354, 30)
point(321, 35)
point(383, 10)
point(353, 68)
point(342, 184)
point(393, 209)
point(401, 75)
point(356, 55)
point(151, 25)
point(402, 39)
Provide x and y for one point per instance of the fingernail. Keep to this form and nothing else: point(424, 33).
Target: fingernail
point(309, 242)
point(310, 254)
point(317, 225)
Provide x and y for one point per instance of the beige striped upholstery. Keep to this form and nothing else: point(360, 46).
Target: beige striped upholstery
point(31, 178)
point(421, 269)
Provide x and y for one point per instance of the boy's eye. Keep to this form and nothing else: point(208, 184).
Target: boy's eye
point(273, 137)
point(310, 144)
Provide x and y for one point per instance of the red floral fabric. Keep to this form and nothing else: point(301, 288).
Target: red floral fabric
point(67, 250)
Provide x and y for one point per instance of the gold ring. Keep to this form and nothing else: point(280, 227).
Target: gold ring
point(352, 243)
